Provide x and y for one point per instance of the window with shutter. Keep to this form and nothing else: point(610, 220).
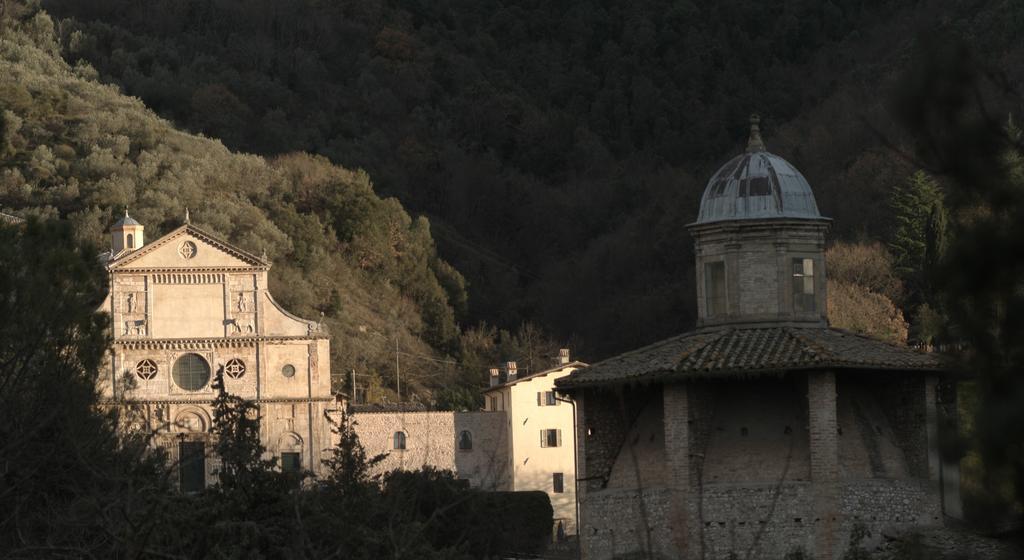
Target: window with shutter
point(558, 482)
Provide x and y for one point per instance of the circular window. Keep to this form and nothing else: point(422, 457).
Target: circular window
point(146, 369)
point(191, 372)
point(235, 368)
point(187, 250)
point(288, 370)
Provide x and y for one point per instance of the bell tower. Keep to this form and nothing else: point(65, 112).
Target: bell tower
point(126, 235)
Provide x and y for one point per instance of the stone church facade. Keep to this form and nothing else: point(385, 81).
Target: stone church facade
point(763, 432)
point(188, 305)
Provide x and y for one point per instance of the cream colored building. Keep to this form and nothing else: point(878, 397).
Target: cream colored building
point(189, 304)
point(541, 434)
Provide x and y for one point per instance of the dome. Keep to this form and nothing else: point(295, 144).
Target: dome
point(757, 185)
point(126, 220)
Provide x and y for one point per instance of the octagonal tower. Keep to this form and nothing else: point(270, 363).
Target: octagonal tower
point(760, 243)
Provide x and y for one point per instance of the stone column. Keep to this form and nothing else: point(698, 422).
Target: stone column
point(823, 429)
point(677, 453)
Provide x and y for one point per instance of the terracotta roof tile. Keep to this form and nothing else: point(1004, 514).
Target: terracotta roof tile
point(731, 352)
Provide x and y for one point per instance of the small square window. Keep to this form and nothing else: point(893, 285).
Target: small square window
point(558, 482)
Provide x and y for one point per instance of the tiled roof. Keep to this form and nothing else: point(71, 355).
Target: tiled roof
point(739, 352)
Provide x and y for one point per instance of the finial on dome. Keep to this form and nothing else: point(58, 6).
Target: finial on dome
point(755, 143)
point(188, 220)
point(125, 210)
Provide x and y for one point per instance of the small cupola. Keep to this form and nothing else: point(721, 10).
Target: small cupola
point(126, 235)
point(759, 242)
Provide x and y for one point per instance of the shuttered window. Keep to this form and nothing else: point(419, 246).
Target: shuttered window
point(546, 398)
point(551, 438)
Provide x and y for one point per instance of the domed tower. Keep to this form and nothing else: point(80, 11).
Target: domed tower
point(759, 243)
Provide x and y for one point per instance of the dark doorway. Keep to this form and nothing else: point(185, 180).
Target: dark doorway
point(192, 466)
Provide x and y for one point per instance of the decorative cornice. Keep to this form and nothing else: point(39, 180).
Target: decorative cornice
point(128, 401)
point(192, 270)
point(206, 343)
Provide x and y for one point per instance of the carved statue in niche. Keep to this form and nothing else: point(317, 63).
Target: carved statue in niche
point(243, 310)
point(130, 302)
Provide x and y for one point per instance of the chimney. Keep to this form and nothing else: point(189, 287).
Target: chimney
point(495, 376)
point(511, 370)
point(563, 356)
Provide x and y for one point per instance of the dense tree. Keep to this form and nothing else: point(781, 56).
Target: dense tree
point(68, 481)
point(862, 291)
point(946, 101)
point(72, 148)
point(918, 238)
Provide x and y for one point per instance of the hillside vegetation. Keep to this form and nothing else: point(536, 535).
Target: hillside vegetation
point(74, 148)
point(558, 147)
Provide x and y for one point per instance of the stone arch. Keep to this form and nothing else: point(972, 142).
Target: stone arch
point(289, 441)
point(192, 420)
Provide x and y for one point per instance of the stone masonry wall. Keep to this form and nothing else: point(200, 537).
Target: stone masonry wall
point(903, 401)
point(431, 439)
point(748, 514)
point(607, 420)
point(627, 524)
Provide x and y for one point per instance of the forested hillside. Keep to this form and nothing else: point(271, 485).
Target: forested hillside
point(558, 147)
point(71, 147)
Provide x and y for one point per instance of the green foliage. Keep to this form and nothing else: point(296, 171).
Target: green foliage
point(236, 433)
point(558, 148)
point(862, 287)
point(484, 347)
point(943, 103)
point(73, 148)
point(68, 480)
point(918, 239)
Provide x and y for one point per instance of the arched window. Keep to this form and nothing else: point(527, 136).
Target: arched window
point(131, 241)
point(191, 372)
point(399, 440)
point(465, 441)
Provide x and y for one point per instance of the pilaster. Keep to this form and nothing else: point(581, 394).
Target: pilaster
point(823, 432)
point(677, 452)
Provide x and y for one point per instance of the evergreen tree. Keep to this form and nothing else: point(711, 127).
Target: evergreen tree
point(236, 432)
point(919, 234)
